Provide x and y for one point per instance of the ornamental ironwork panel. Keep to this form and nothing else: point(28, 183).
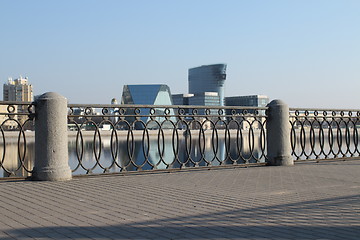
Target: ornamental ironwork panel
point(17, 139)
point(117, 138)
point(324, 133)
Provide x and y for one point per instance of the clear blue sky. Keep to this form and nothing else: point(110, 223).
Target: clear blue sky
point(304, 52)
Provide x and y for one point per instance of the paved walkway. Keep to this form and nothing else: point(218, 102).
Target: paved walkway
point(308, 201)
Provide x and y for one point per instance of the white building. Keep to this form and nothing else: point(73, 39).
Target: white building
point(18, 90)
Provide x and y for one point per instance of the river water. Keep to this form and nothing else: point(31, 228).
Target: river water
point(145, 152)
point(149, 152)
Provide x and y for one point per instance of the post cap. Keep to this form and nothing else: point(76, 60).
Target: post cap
point(50, 95)
point(276, 102)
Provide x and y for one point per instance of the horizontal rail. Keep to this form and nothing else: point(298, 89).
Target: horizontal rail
point(323, 113)
point(161, 106)
point(324, 109)
point(16, 114)
point(16, 103)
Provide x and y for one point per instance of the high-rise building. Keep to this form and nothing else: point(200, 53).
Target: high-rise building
point(18, 90)
point(208, 78)
point(155, 94)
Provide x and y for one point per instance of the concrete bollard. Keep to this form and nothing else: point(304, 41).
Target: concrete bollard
point(278, 134)
point(51, 139)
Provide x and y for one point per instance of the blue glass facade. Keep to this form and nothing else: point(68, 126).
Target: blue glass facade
point(205, 99)
point(146, 94)
point(248, 101)
point(208, 78)
point(157, 94)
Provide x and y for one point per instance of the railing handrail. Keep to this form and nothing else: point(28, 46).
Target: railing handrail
point(16, 103)
point(162, 106)
point(11, 110)
point(324, 109)
point(181, 106)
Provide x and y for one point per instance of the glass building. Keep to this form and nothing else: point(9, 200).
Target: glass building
point(205, 99)
point(208, 78)
point(181, 99)
point(156, 94)
point(199, 99)
point(248, 101)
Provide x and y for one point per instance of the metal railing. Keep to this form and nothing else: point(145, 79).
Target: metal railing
point(147, 137)
point(324, 133)
point(121, 138)
point(17, 138)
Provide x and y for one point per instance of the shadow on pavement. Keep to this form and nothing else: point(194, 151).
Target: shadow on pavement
point(331, 218)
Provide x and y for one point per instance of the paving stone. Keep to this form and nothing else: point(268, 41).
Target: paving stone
point(307, 201)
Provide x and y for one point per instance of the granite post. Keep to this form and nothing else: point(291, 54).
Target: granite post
point(278, 134)
point(51, 139)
